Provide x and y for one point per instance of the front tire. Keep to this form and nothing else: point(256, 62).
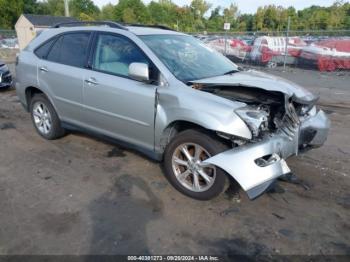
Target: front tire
point(45, 118)
point(184, 168)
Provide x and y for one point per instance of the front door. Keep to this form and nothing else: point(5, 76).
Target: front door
point(115, 104)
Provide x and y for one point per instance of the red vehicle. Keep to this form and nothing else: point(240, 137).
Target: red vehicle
point(236, 49)
point(271, 50)
point(327, 55)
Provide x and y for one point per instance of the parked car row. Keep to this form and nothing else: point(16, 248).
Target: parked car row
point(326, 54)
point(10, 43)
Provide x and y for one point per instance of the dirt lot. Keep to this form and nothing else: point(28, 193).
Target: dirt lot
point(79, 195)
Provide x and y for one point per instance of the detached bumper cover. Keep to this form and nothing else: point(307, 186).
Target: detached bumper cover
point(256, 166)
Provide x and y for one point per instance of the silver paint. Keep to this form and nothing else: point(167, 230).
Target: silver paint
point(144, 114)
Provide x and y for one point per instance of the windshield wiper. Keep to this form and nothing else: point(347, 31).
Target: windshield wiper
point(231, 72)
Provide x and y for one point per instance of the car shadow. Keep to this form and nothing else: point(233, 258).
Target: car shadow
point(120, 216)
point(118, 145)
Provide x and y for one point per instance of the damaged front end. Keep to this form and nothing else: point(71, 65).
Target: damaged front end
point(280, 126)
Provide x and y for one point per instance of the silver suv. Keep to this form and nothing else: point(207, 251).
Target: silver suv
point(172, 98)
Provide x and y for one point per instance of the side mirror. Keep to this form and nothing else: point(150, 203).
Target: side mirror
point(139, 71)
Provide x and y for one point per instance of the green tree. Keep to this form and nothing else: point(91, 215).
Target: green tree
point(200, 7)
point(107, 12)
point(54, 7)
point(10, 12)
point(231, 14)
point(30, 7)
point(216, 20)
point(246, 22)
point(186, 18)
point(87, 7)
point(129, 16)
point(139, 11)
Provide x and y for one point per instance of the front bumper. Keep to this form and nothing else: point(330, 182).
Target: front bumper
point(257, 165)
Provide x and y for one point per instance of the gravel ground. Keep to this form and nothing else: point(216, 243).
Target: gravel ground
point(79, 195)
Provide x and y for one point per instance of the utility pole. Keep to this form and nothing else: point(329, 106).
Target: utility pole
point(66, 8)
point(286, 49)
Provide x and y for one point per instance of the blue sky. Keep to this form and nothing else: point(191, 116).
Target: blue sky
point(245, 6)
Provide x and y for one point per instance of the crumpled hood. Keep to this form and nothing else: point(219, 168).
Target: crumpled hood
point(252, 78)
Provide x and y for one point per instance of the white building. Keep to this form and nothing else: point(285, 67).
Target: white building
point(29, 25)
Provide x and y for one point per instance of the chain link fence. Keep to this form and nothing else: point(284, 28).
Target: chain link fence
point(318, 50)
point(8, 45)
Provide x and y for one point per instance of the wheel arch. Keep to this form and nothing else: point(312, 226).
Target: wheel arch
point(30, 91)
point(178, 126)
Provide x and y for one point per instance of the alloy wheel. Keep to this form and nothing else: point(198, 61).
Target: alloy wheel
point(42, 118)
point(189, 169)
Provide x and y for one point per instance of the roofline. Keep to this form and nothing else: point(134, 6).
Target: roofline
point(111, 24)
point(151, 26)
point(80, 23)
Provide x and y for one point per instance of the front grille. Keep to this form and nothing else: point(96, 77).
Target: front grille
point(6, 78)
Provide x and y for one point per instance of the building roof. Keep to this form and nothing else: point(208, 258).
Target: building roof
point(48, 20)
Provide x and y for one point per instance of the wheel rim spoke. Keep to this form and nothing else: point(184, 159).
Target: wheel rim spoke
point(40, 109)
point(182, 177)
point(180, 161)
point(207, 178)
point(48, 123)
point(196, 184)
point(37, 120)
point(46, 128)
point(197, 152)
point(36, 113)
point(185, 151)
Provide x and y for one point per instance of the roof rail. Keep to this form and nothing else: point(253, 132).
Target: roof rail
point(107, 23)
point(152, 26)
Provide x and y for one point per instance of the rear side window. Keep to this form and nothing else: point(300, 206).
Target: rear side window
point(70, 49)
point(42, 51)
point(54, 54)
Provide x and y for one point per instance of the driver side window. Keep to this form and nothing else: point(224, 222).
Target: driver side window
point(114, 54)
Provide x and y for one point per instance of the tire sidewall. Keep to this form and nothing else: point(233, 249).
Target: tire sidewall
point(55, 123)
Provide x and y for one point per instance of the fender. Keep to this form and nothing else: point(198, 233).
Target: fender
point(213, 113)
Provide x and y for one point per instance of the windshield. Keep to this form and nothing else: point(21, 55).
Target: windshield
point(188, 58)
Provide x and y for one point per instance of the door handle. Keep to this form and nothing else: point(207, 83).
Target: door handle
point(91, 81)
point(44, 69)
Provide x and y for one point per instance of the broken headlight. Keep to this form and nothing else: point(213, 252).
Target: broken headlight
point(256, 119)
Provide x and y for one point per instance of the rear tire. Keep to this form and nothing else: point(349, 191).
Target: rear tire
point(45, 118)
point(186, 173)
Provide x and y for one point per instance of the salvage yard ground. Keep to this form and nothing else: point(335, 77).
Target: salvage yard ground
point(79, 195)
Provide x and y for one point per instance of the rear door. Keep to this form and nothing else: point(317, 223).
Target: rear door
point(116, 104)
point(61, 72)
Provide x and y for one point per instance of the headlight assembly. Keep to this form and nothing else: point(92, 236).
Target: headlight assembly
point(255, 119)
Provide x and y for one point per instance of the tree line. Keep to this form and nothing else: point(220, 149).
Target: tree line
point(198, 16)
